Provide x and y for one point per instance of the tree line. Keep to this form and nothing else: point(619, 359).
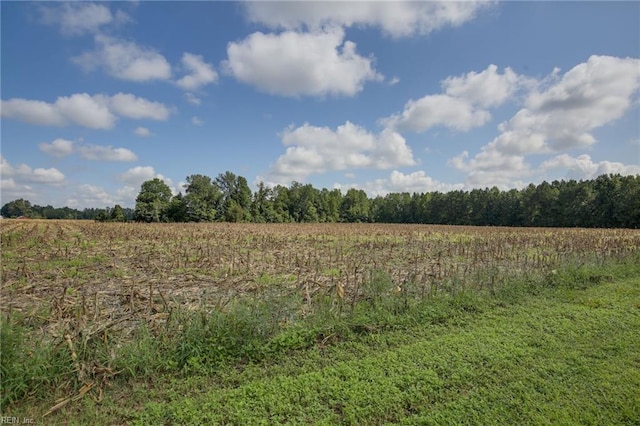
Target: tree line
point(611, 201)
point(608, 201)
point(24, 208)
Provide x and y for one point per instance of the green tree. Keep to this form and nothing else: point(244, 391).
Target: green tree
point(153, 201)
point(16, 208)
point(329, 205)
point(102, 216)
point(117, 214)
point(202, 200)
point(281, 202)
point(303, 200)
point(355, 206)
point(235, 193)
point(263, 205)
point(178, 211)
point(234, 212)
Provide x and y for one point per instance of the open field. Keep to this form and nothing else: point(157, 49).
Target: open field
point(111, 268)
point(97, 309)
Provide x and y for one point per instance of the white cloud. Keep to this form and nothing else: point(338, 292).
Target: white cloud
point(51, 175)
point(94, 112)
point(32, 112)
point(77, 18)
point(492, 168)
point(395, 18)
point(590, 95)
point(487, 88)
point(63, 148)
point(80, 109)
point(558, 116)
point(461, 106)
point(92, 195)
point(300, 64)
point(128, 105)
point(86, 111)
point(314, 150)
point(417, 182)
point(196, 121)
point(24, 173)
point(434, 110)
point(200, 72)
point(97, 196)
point(136, 176)
point(106, 153)
point(10, 189)
point(398, 182)
point(143, 132)
point(57, 148)
point(192, 99)
point(582, 167)
point(394, 81)
point(125, 60)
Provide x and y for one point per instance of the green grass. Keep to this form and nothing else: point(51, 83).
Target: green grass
point(550, 360)
point(559, 348)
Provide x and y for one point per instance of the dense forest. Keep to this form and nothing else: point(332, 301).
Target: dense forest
point(609, 201)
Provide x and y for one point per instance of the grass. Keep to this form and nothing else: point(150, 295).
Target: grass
point(560, 347)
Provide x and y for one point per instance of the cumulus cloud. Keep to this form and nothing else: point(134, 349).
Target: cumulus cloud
point(433, 110)
point(395, 18)
point(398, 182)
point(11, 189)
point(86, 111)
point(462, 105)
point(561, 116)
point(192, 99)
point(583, 167)
point(197, 121)
point(417, 181)
point(91, 195)
point(24, 173)
point(588, 96)
point(130, 106)
point(487, 88)
point(63, 148)
point(143, 132)
point(314, 150)
point(200, 72)
point(77, 18)
point(95, 195)
point(308, 64)
point(136, 176)
point(57, 148)
point(94, 112)
point(80, 109)
point(492, 168)
point(125, 60)
point(558, 115)
point(106, 153)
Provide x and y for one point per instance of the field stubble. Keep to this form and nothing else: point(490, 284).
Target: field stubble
point(73, 282)
point(111, 268)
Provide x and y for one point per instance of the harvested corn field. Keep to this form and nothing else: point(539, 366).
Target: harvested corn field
point(204, 294)
point(104, 270)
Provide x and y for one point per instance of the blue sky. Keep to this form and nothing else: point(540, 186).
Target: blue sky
point(383, 96)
